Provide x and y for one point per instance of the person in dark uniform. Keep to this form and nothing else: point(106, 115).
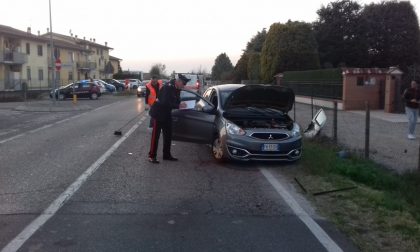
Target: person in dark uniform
point(168, 99)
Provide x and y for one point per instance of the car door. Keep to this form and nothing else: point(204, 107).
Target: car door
point(195, 122)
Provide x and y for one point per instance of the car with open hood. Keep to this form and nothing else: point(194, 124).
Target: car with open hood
point(240, 122)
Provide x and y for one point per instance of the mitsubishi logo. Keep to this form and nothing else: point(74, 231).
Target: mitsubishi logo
point(270, 137)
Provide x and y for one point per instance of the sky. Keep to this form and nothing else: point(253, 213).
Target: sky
point(184, 35)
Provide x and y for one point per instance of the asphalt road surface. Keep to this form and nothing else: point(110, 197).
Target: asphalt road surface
point(75, 186)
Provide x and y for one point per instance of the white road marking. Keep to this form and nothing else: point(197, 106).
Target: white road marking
point(12, 138)
point(52, 209)
point(49, 125)
point(43, 127)
point(316, 230)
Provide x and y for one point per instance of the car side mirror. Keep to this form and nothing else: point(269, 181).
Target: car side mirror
point(208, 108)
point(316, 124)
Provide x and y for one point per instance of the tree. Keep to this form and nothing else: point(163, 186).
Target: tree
point(240, 72)
point(338, 32)
point(393, 34)
point(158, 70)
point(222, 68)
point(288, 47)
point(256, 43)
point(254, 66)
point(243, 65)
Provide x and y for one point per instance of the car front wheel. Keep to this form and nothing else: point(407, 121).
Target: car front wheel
point(94, 96)
point(218, 150)
point(61, 97)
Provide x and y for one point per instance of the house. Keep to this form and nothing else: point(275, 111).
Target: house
point(23, 59)
point(84, 58)
point(115, 63)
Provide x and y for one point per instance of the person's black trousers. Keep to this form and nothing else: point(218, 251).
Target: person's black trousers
point(166, 128)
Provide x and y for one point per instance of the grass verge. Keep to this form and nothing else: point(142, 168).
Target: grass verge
point(381, 214)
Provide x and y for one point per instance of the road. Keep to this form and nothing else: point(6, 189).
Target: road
point(117, 201)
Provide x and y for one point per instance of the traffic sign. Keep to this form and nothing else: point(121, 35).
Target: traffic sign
point(58, 65)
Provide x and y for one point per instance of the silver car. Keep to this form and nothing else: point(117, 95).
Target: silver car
point(241, 122)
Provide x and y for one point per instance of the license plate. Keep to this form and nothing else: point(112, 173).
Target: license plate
point(270, 147)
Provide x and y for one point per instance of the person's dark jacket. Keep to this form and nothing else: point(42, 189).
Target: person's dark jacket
point(168, 99)
point(409, 94)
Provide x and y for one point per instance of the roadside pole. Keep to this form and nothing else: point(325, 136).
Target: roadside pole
point(52, 59)
point(367, 130)
point(335, 122)
point(418, 162)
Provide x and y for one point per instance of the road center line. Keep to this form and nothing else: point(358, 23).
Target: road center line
point(53, 208)
point(316, 230)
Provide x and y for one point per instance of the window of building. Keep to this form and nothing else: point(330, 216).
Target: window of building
point(28, 73)
point(57, 53)
point(28, 48)
point(70, 76)
point(97, 51)
point(40, 50)
point(360, 81)
point(40, 74)
point(366, 81)
point(71, 57)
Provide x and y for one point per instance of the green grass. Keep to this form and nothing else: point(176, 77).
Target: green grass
point(400, 192)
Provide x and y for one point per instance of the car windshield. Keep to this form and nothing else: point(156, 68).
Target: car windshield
point(224, 95)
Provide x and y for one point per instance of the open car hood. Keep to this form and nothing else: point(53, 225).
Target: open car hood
point(271, 96)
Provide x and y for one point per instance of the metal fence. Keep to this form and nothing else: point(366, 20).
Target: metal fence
point(321, 89)
point(372, 134)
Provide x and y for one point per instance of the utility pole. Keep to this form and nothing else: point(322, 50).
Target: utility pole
point(52, 58)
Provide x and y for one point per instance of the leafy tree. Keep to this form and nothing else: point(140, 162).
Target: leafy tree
point(338, 32)
point(240, 72)
point(257, 42)
point(254, 66)
point(159, 70)
point(288, 47)
point(243, 65)
point(392, 35)
point(222, 68)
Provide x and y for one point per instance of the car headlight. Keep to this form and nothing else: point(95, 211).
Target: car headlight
point(234, 129)
point(296, 130)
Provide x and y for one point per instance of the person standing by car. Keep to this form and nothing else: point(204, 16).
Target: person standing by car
point(168, 99)
point(412, 98)
point(152, 91)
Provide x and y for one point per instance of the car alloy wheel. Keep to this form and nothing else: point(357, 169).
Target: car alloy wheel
point(94, 96)
point(61, 97)
point(218, 150)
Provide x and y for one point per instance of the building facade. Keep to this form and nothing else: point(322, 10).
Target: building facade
point(25, 59)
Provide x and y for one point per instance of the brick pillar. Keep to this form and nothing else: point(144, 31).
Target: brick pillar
point(392, 88)
point(389, 94)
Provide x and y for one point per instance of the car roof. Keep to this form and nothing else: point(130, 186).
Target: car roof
point(228, 87)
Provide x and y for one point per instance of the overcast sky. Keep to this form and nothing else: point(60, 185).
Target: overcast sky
point(183, 34)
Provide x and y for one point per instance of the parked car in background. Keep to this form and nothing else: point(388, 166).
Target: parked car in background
point(109, 88)
point(101, 86)
point(117, 84)
point(141, 89)
point(134, 83)
point(83, 89)
point(240, 122)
